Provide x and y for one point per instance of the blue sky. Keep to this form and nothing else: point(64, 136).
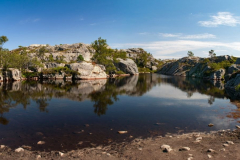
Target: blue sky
point(165, 28)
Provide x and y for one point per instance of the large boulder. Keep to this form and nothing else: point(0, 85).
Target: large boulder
point(87, 70)
point(154, 68)
point(217, 75)
point(128, 66)
point(15, 74)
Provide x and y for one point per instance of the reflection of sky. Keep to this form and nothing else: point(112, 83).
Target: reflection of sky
point(168, 91)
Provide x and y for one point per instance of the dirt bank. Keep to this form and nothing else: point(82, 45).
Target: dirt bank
point(216, 145)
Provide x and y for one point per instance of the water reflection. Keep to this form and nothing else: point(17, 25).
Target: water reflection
point(104, 92)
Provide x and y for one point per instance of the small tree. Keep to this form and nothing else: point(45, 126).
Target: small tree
point(190, 54)
point(212, 54)
point(3, 39)
point(41, 53)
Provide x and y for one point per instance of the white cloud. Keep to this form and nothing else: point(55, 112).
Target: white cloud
point(93, 24)
point(169, 35)
point(222, 18)
point(166, 49)
point(193, 36)
point(81, 19)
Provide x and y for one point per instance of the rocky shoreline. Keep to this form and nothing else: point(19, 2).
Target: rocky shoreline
point(223, 144)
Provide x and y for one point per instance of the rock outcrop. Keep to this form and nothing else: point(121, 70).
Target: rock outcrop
point(200, 68)
point(87, 70)
point(134, 53)
point(127, 66)
point(66, 52)
point(218, 75)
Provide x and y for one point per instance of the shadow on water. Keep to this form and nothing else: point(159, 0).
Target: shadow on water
point(59, 109)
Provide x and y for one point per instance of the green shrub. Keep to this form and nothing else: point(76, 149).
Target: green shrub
point(237, 88)
point(56, 70)
point(144, 70)
point(80, 58)
point(120, 72)
point(30, 74)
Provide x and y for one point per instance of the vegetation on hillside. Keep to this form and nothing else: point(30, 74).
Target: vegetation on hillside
point(105, 55)
point(15, 59)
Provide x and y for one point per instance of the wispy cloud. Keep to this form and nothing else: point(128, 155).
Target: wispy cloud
point(199, 36)
point(222, 18)
point(169, 35)
point(166, 49)
point(143, 33)
point(193, 36)
point(81, 19)
point(93, 24)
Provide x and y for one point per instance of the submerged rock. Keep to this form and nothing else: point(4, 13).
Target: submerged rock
point(210, 125)
point(184, 149)
point(122, 132)
point(41, 142)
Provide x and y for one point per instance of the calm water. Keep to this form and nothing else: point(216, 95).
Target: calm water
point(144, 105)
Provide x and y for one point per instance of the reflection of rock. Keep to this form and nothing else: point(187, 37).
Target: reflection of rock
point(87, 70)
point(16, 85)
point(218, 84)
point(127, 66)
point(231, 87)
point(127, 84)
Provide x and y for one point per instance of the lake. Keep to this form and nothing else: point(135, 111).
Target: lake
point(69, 115)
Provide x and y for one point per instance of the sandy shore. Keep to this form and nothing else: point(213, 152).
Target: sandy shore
point(217, 145)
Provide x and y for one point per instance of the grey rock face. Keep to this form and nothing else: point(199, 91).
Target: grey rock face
point(87, 70)
point(233, 68)
point(218, 74)
point(128, 66)
point(53, 65)
point(222, 58)
point(69, 52)
point(232, 83)
point(237, 61)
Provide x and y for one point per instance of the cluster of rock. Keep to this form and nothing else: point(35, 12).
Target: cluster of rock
point(134, 53)
point(195, 67)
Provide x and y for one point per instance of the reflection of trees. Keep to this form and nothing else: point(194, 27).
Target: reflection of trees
point(104, 98)
point(211, 99)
